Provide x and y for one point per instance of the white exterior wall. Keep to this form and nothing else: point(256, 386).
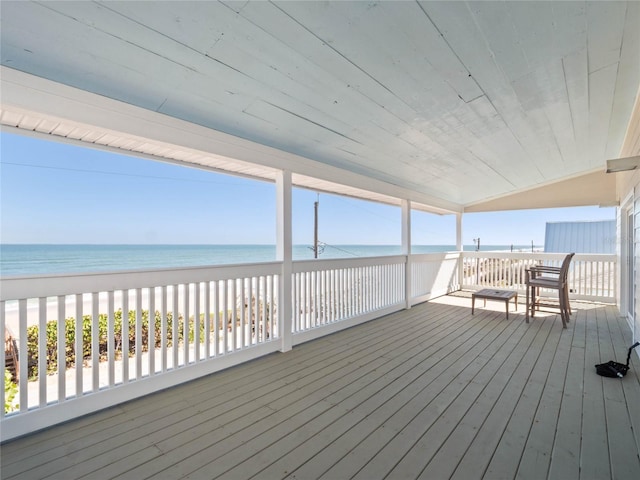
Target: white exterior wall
point(629, 246)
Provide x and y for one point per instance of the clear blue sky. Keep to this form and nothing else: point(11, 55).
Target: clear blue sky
point(58, 193)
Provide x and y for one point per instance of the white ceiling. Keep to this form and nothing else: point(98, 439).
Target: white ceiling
point(463, 102)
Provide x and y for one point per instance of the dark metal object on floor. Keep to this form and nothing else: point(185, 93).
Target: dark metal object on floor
point(614, 369)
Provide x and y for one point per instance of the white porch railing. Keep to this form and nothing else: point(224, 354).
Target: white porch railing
point(591, 276)
point(186, 323)
point(433, 275)
point(127, 334)
point(335, 294)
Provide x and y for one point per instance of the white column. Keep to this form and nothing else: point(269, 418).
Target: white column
point(459, 247)
point(284, 254)
point(406, 250)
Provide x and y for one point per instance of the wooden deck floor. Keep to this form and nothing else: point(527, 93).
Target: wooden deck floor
point(432, 392)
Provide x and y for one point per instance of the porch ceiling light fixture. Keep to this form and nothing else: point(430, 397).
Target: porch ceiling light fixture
point(623, 164)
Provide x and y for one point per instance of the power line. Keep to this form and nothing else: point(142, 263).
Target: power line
point(121, 174)
point(356, 205)
point(340, 249)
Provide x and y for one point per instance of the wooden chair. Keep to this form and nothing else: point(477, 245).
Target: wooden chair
point(552, 278)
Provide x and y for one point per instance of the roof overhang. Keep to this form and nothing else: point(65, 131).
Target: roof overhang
point(595, 188)
point(39, 107)
point(450, 105)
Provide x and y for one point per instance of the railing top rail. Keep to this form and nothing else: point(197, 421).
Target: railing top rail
point(34, 286)
point(436, 256)
point(602, 257)
point(337, 263)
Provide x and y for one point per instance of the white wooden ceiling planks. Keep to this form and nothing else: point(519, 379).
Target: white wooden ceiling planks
point(420, 115)
point(461, 101)
point(627, 81)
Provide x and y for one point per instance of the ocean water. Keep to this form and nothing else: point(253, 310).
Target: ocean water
point(47, 259)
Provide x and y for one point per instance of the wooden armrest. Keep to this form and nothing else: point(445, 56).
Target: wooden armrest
point(535, 272)
point(545, 269)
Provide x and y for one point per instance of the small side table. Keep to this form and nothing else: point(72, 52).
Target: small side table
point(493, 294)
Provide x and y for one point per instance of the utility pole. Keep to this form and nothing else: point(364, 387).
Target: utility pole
point(315, 227)
point(477, 242)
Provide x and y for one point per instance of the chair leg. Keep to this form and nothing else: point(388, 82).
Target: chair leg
point(532, 305)
point(565, 305)
point(564, 312)
point(568, 303)
point(532, 302)
point(526, 305)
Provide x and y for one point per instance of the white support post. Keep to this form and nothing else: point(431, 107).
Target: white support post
point(406, 250)
point(459, 248)
point(284, 253)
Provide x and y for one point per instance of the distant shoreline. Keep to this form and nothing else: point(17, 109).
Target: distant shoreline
point(466, 246)
point(46, 259)
point(41, 259)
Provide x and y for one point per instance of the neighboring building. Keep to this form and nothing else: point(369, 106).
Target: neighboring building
point(580, 237)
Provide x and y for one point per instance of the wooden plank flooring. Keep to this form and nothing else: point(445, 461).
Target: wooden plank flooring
point(432, 392)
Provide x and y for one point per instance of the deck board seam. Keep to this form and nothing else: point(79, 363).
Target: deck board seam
point(141, 402)
point(455, 390)
point(440, 348)
point(522, 346)
point(548, 400)
point(544, 331)
point(384, 404)
point(421, 412)
point(451, 333)
point(482, 386)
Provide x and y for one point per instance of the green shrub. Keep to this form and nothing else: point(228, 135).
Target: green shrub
point(70, 337)
point(103, 347)
point(10, 392)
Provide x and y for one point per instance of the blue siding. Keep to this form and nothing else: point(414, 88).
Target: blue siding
point(580, 237)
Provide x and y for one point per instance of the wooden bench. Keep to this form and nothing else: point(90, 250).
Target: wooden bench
point(493, 294)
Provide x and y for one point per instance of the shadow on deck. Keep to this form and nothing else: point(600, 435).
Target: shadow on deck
point(431, 392)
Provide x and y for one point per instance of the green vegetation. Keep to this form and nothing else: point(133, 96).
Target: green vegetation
point(51, 348)
point(10, 392)
point(70, 338)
